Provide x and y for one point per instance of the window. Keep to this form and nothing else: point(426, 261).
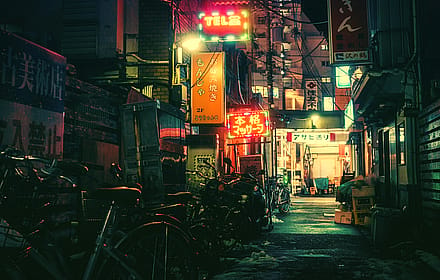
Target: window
point(324, 47)
point(325, 63)
point(401, 144)
point(261, 20)
point(325, 79)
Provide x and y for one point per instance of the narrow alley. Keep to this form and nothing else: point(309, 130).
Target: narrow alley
point(307, 244)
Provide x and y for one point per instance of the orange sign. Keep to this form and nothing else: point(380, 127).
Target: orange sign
point(248, 124)
point(207, 91)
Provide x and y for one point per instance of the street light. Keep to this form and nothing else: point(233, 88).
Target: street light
point(191, 42)
point(315, 119)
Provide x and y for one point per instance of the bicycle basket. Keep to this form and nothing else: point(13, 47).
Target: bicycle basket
point(9, 237)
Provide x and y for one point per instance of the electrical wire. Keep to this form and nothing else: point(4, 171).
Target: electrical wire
point(267, 7)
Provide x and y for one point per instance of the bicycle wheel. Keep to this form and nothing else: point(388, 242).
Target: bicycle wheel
point(284, 206)
point(157, 250)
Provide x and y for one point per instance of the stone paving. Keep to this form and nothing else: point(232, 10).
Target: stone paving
point(307, 244)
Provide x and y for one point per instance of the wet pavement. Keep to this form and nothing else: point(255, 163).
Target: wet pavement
point(307, 244)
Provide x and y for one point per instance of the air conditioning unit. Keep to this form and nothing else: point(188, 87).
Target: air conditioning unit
point(179, 96)
point(435, 88)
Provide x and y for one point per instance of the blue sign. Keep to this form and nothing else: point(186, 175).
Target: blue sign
point(31, 74)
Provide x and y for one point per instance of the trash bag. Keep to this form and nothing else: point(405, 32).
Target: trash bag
point(343, 193)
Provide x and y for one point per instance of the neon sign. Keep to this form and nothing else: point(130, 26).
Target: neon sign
point(248, 124)
point(224, 26)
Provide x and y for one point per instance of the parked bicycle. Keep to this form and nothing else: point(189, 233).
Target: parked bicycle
point(279, 196)
point(34, 245)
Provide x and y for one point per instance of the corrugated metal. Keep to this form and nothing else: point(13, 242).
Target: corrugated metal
point(390, 31)
point(80, 28)
point(429, 155)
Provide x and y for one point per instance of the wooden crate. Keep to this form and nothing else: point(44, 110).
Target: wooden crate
point(363, 203)
point(362, 217)
point(362, 191)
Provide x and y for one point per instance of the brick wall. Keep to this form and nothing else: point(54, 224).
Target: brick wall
point(155, 36)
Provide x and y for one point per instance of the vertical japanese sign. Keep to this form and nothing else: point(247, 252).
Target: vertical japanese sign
point(248, 124)
point(311, 95)
point(32, 84)
point(348, 29)
point(207, 89)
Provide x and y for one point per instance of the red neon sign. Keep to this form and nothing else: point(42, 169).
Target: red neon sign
point(227, 25)
point(248, 124)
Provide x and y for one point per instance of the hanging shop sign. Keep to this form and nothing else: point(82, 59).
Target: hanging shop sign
point(311, 95)
point(310, 137)
point(248, 124)
point(207, 90)
point(224, 25)
point(348, 30)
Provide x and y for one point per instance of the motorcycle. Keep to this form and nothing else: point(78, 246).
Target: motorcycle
point(255, 213)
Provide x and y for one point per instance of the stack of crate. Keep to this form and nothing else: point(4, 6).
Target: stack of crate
point(363, 201)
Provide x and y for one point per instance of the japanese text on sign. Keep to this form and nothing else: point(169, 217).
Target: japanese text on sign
point(248, 124)
point(31, 74)
point(222, 24)
point(207, 92)
point(349, 31)
point(311, 95)
point(299, 137)
point(35, 131)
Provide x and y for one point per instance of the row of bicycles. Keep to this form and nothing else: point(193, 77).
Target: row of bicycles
point(54, 226)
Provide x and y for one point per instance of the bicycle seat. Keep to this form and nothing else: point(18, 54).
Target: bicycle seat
point(119, 194)
point(179, 197)
point(72, 168)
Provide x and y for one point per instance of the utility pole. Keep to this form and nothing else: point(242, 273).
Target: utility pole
point(269, 61)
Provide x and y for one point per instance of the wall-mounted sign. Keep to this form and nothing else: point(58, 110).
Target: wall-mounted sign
point(348, 31)
point(248, 124)
point(310, 137)
point(35, 131)
point(207, 90)
point(224, 25)
point(31, 74)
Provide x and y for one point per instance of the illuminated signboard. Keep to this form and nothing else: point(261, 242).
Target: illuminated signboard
point(349, 115)
point(310, 137)
point(349, 37)
point(227, 25)
point(343, 77)
point(207, 89)
point(311, 95)
point(248, 124)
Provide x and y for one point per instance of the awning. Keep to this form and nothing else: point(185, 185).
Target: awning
point(316, 11)
point(379, 96)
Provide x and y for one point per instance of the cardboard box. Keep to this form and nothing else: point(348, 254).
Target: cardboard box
point(343, 217)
